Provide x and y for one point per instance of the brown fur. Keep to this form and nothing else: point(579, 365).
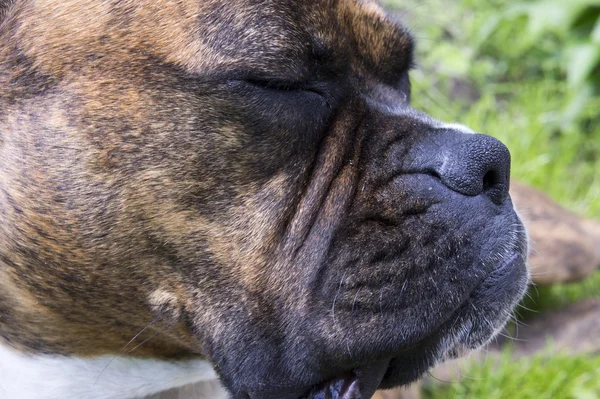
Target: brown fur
point(243, 181)
point(74, 226)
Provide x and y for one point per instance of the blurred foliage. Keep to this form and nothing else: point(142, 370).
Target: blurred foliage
point(556, 296)
point(544, 376)
point(555, 39)
point(517, 70)
point(528, 73)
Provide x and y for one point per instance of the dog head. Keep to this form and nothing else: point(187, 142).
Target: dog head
point(249, 182)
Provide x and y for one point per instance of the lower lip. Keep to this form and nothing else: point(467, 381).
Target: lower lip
point(340, 388)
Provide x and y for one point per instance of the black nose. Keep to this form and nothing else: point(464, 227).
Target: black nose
point(477, 164)
point(471, 164)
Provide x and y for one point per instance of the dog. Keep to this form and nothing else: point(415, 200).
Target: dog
point(240, 189)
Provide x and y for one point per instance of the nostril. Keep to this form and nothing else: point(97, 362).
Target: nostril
point(490, 180)
point(470, 164)
point(476, 164)
point(434, 173)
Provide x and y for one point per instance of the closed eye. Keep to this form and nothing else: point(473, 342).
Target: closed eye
point(284, 87)
point(276, 85)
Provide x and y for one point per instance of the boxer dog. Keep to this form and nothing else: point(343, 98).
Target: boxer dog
point(193, 189)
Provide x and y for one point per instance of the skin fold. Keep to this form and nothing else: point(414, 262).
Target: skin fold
point(246, 183)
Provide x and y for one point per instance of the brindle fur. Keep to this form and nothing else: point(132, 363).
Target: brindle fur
point(181, 165)
point(94, 94)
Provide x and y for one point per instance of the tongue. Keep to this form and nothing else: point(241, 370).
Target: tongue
point(360, 384)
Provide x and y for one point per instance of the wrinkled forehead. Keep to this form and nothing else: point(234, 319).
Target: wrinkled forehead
point(286, 34)
point(273, 36)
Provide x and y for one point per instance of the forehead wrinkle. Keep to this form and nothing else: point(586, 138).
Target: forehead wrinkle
point(265, 38)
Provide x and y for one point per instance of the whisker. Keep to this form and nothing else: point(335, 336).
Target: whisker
point(511, 338)
point(440, 380)
point(139, 333)
point(143, 342)
point(125, 347)
point(526, 308)
point(336, 296)
point(355, 298)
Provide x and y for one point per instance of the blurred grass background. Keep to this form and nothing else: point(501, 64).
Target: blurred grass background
point(528, 73)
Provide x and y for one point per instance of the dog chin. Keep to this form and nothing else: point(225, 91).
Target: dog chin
point(469, 330)
point(476, 325)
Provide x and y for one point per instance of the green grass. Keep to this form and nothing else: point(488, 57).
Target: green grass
point(559, 295)
point(565, 164)
point(544, 376)
point(472, 69)
point(506, 96)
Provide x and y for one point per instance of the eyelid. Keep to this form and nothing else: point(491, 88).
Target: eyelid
point(278, 84)
point(289, 86)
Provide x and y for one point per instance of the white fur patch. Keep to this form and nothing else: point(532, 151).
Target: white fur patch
point(457, 126)
point(58, 377)
point(401, 109)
